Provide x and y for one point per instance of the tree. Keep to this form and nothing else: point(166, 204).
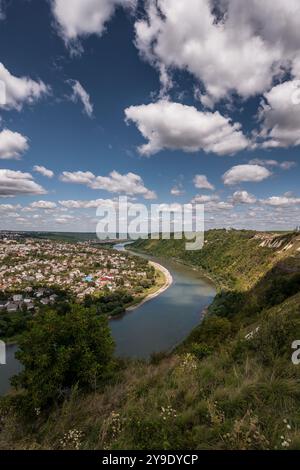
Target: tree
point(62, 351)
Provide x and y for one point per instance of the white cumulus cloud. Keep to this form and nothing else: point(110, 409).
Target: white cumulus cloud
point(66, 219)
point(130, 183)
point(19, 90)
point(77, 18)
point(204, 198)
point(9, 207)
point(89, 204)
point(177, 191)
point(43, 205)
point(280, 115)
point(285, 165)
point(229, 46)
point(169, 125)
point(77, 177)
point(14, 183)
point(243, 197)
point(12, 144)
point(201, 182)
point(43, 171)
point(246, 173)
point(281, 201)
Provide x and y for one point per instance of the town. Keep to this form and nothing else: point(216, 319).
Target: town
point(33, 271)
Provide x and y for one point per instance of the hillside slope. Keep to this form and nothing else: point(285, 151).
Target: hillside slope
point(230, 385)
point(234, 259)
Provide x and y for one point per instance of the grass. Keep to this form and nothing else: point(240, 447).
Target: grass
point(244, 395)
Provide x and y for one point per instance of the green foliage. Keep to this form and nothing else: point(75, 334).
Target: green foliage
point(276, 333)
point(200, 350)
point(212, 332)
point(60, 351)
point(227, 303)
point(111, 303)
point(232, 258)
point(281, 288)
point(13, 324)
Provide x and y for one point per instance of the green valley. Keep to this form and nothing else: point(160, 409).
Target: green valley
point(230, 385)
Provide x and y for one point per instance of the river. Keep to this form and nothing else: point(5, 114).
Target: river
point(155, 326)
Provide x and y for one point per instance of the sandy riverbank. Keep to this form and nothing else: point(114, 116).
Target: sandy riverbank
point(168, 282)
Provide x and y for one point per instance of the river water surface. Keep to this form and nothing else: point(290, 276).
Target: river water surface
point(163, 322)
point(155, 326)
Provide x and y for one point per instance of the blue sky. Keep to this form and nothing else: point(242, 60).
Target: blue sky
point(114, 97)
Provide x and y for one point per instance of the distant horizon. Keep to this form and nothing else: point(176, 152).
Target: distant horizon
point(149, 233)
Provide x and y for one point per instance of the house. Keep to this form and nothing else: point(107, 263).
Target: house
point(40, 293)
point(30, 306)
point(28, 289)
point(12, 307)
point(17, 298)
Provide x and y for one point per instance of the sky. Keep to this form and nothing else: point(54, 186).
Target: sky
point(164, 102)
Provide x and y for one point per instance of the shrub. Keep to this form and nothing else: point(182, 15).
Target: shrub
point(201, 350)
point(59, 352)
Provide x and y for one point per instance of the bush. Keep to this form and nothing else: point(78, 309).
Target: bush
point(213, 331)
point(59, 352)
point(201, 350)
point(227, 303)
point(281, 288)
point(274, 338)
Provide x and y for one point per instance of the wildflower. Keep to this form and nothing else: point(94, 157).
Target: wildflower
point(72, 439)
point(168, 412)
point(214, 413)
point(189, 362)
point(115, 424)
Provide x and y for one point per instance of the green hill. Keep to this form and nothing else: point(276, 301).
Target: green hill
point(234, 259)
point(230, 385)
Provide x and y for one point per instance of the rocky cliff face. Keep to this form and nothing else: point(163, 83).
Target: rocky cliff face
point(279, 241)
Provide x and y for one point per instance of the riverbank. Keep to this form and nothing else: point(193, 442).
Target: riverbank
point(214, 280)
point(160, 287)
point(168, 281)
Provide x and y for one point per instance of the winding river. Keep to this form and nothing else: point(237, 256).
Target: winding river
point(155, 326)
